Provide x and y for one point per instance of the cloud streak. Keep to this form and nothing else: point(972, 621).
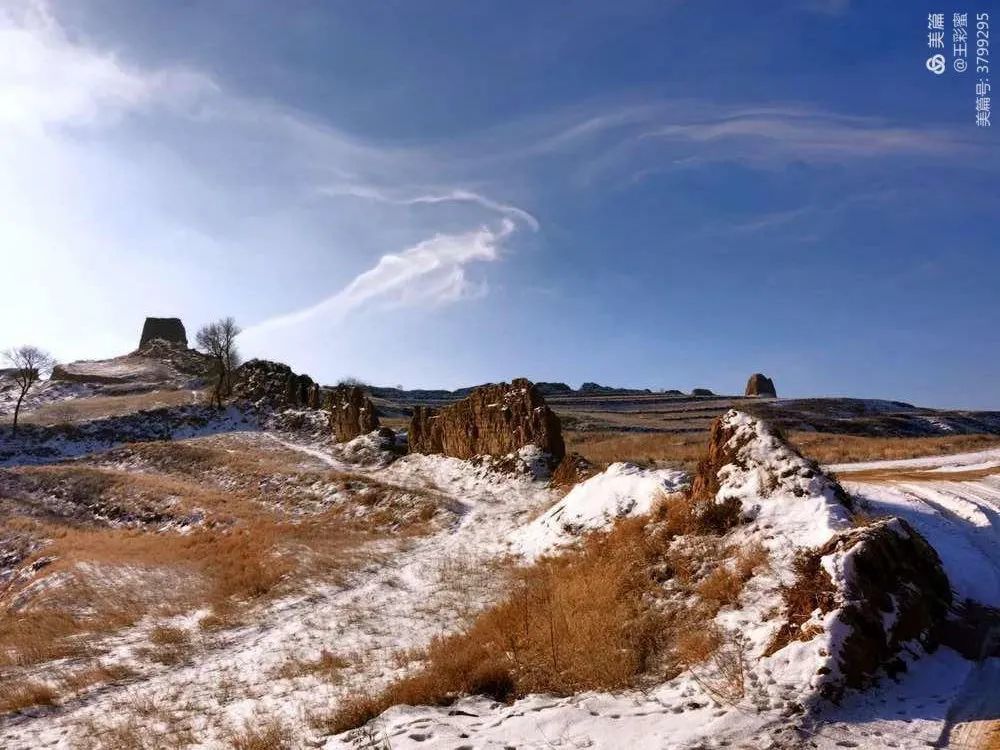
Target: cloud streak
point(452, 196)
point(432, 272)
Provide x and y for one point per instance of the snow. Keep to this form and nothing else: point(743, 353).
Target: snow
point(954, 462)
point(405, 592)
point(961, 520)
point(792, 503)
point(620, 491)
point(789, 506)
point(910, 713)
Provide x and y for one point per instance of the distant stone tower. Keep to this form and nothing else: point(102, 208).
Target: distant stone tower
point(761, 385)
point(167, 329)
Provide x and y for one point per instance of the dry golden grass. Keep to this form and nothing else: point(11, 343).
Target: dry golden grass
point(169, 645)
point(723, 586)
point(261, 734)
point(26, 694)
point(95, 674)
point(157, 573)
point(603, 448)
point(129, 727)
point(95, 407)
point(685, 449)
point(594, 618)
point(327, 665)
point(828, 448)
point(812, 589)
point(244, 550)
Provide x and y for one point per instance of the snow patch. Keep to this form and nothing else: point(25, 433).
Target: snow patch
point(622, 490)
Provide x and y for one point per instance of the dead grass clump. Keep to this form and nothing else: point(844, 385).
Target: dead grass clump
point(26, 695)
point(261, 734)
point(97, 674)
point(723, 586)
point(573, 469)
point(327, 664)
point(723, 673)
point(146, 725)
point(811, 590)
point(580, 621)
point(123, 736)
point(224, 615)
point(682, 514)
point(169, 645)
point(38, 635)
point(353, 712)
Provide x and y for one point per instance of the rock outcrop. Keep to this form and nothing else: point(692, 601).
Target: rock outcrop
point(891, 589)
point(274, 384)
point(761, 385)
point(165, 329)
point(749, 460)
point(352, 413)
point(855, 594)
point(494, 420)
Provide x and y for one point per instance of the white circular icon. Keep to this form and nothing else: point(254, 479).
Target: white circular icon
point(960, 64)
point(935, 64)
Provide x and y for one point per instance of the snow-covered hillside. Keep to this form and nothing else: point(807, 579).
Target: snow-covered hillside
point(400, 592)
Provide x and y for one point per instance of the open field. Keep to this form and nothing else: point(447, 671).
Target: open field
point(685, 449)
point(95, 407)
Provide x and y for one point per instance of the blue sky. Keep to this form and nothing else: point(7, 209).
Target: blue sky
point(656, 194)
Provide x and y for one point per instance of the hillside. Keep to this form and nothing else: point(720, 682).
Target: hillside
point(189, 577)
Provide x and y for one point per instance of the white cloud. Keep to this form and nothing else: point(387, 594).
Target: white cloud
point(809, 135)
point(432, 272)
point(48, 81)
point(452, 196)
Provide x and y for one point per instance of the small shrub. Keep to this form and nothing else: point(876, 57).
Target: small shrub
point(261, 734)
point(26, 695)
point(353, 712)
point(812, 589)
point(170, 645)
point(328, 664)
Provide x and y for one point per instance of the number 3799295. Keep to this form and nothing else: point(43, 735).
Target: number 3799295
point(982, 42)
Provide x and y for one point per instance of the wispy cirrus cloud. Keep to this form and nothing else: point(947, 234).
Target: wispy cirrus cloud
point(432, 272)
point(432, 198)
point(654, 137)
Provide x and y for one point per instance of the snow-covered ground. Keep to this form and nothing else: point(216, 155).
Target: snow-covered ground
point(404, 593)
point(941, 701)
point(953, 462)
point(911, 713)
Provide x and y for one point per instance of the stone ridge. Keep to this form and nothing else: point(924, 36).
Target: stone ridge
point(273, 384)
point(352, 413)
point(494, 420)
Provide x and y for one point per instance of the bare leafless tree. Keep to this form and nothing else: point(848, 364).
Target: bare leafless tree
point(219, 340)
point(29, 364)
